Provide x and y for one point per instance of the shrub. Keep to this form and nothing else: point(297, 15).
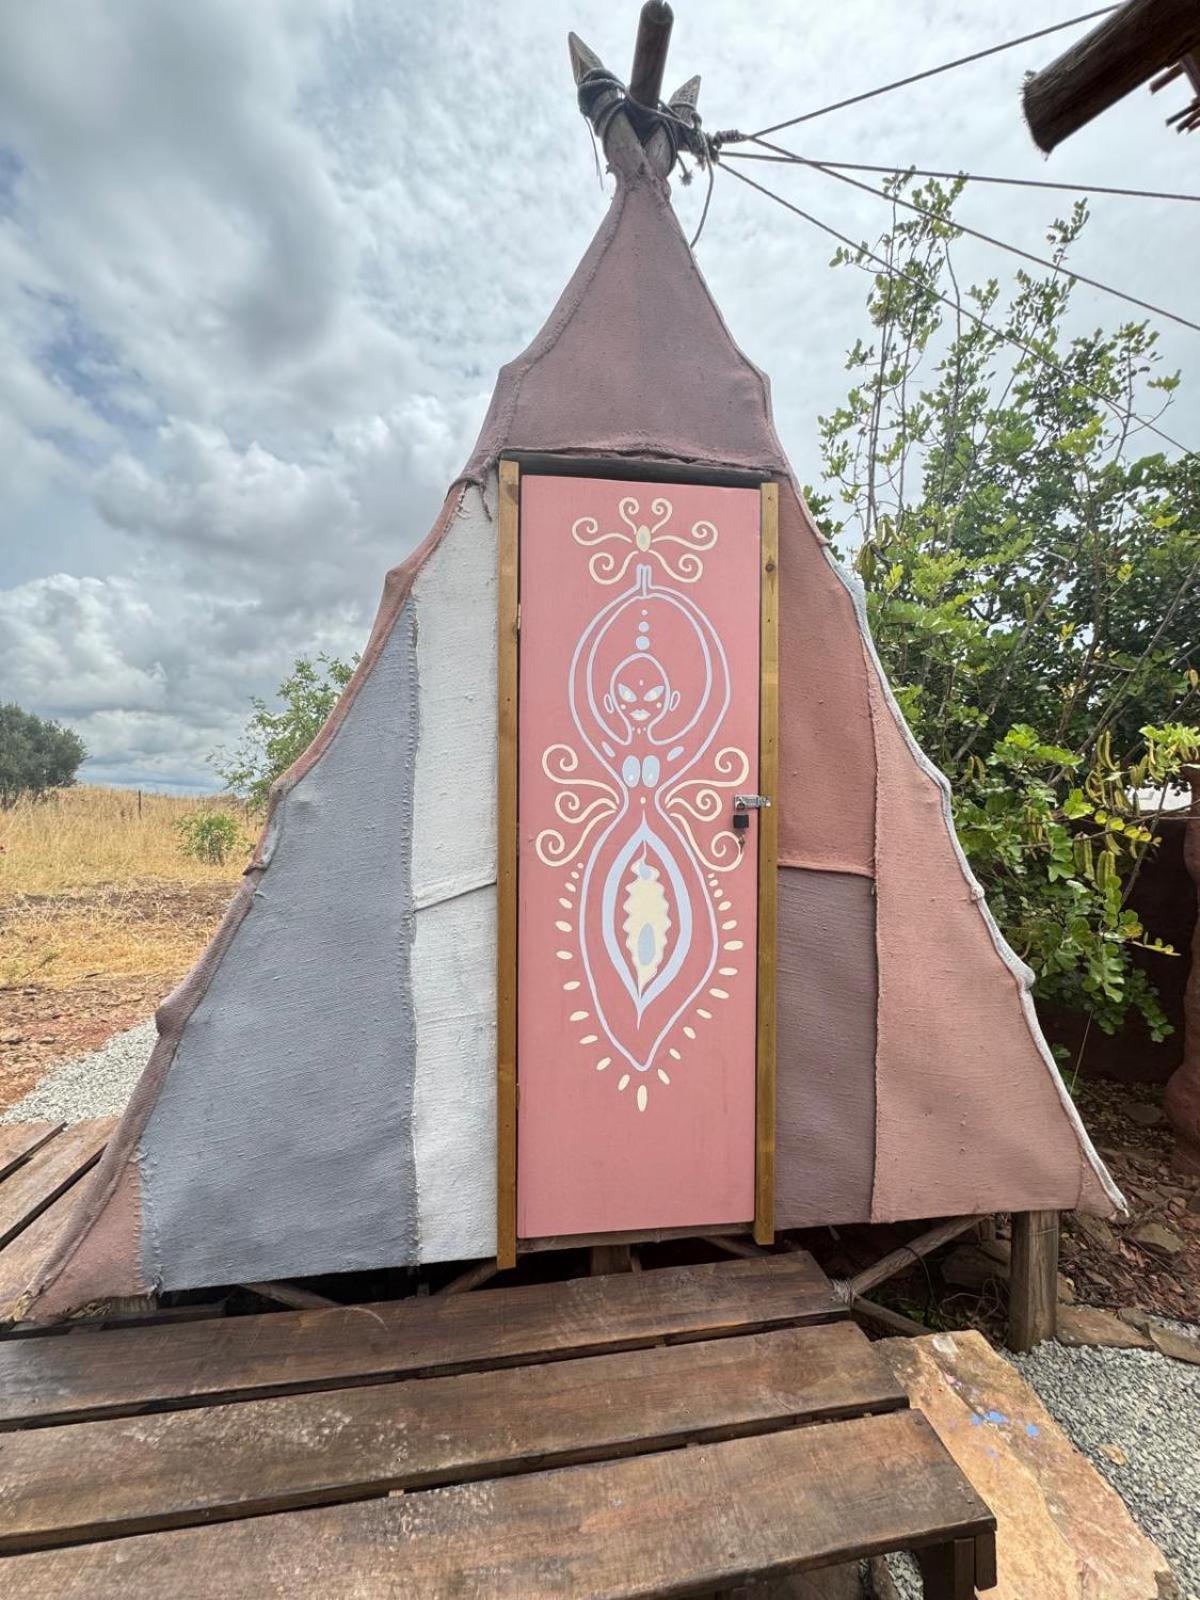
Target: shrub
point(210, 836)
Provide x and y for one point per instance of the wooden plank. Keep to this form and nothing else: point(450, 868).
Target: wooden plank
point(106, 1374)
point(22, 1260)
point(19, 1140)
point(507, 642)
point(130, 1475)
point(673, 1523)
point(45, 1176)
point(294, 1295)
point(1033, 1279)
point(768, 869)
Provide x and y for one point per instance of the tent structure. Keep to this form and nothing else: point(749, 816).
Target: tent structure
point(422, 931)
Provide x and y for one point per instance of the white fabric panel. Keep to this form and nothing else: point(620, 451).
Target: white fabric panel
point(454, 801)
point(453, 879)
point(454, 1106)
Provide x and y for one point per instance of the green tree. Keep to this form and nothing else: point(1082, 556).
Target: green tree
point(273, 739)
point(35, 755)
point(1032, 582)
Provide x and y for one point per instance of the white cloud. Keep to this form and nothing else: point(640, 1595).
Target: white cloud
point(259, 263)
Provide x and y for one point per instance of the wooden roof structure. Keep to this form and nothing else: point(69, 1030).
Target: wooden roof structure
point(1144, 41)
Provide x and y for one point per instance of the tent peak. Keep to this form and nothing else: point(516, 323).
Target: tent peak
point(610, 105)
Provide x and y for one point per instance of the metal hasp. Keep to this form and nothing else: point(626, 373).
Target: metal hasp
point(751, 802)
point(650, 53)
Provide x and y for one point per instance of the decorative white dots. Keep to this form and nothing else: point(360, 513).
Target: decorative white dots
point(623, 1082)
point(572, 986)
point(719, 994)
point(579, 1016)
point(726, 927)
point(662, 1075)
point(642, 1097)
point(564, 955)
point(563, 927)
point(727, 972)
point(604, 1061)
point(733, 944)
point(725, 905)
point(674, 1055)
point(707, 1015)
point(567, 905)
point(589, 1038)
point(689, 1033)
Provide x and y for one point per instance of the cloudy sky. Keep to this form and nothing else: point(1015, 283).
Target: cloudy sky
point(259, 263)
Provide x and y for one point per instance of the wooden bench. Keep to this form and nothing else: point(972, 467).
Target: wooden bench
point(680, 1431)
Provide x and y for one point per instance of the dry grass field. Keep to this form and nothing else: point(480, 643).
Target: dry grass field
point(101, 913)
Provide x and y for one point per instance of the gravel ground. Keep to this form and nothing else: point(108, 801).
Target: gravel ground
point(1148, 1407)
point(96, 1084)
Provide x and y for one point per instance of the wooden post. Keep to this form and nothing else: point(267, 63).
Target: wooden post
point(1123, 51)
point(1033, 1281)
point(608, 1258)
point(508, 628)
point(1182, 1099)
point(650, 53)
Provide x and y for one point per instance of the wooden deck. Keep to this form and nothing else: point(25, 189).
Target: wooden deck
point(524, 1441)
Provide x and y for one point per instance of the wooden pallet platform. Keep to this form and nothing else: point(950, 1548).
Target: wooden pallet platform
point(677, 1431)
point(40, 1165)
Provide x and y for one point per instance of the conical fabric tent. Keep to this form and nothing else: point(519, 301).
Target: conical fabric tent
point(322, 1096)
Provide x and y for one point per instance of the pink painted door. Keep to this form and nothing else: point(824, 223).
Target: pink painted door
point(638, 724)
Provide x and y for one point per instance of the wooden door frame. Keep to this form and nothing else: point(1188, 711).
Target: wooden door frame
point(508, 631)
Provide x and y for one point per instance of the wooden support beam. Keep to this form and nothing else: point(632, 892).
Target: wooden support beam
point(292, 1295)
point(608, 1258)
point(1125, 50)
point(1033, 1280)
point(885, 1317)
point(650, 53)
point(871, 1277)
point(482, 1272)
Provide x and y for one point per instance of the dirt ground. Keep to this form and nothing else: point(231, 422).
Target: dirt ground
point(162, 928)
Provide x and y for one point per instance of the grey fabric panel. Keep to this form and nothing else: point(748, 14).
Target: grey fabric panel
point(280, 1144)
point(825, 1071)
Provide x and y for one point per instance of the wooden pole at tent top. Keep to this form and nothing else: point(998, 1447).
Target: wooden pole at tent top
point(650, 53)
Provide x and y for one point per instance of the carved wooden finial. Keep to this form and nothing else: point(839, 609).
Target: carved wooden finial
point(683, 101)
point(583, 58)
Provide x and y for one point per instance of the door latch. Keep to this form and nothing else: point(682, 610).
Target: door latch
point(743, 805)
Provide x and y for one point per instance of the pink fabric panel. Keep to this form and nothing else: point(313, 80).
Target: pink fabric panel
point(826, 747)
point(968, 1117)
point(639, 671)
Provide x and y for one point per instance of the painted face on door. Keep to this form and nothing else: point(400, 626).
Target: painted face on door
point(640, 696)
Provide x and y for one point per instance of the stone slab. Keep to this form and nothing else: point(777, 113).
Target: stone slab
point(1063, 1533)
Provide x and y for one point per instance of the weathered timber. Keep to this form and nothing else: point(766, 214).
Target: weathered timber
point(896, 1260)
point(19, 1140)
point(1124, 50)
point(293, 1295)
point(1033, 1279)
point(781, 1502)
point(53, 1169)
point(102, 1479)
point(650, 53)
point(23, 1258)
point(55, 1380)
